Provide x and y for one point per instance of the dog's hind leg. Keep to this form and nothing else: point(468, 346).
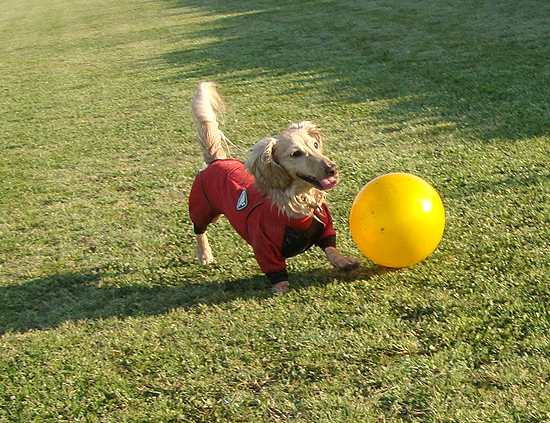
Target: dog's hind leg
point(204, 252)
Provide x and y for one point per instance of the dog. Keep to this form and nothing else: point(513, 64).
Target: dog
point(275, 200)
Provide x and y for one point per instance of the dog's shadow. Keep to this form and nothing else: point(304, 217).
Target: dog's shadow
point(58, 299)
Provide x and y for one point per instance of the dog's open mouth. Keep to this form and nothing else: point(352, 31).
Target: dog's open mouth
point(322, 184)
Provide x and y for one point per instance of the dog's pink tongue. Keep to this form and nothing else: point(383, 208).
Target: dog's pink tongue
point(329, 183)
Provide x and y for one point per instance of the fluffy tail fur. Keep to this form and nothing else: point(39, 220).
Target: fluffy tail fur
point(204, 105)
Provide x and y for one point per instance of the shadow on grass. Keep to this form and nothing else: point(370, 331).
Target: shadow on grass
point(505, 186)
point(54, 300)
point(481, 66)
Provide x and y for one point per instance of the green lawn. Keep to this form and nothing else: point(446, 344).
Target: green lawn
point(105, 316)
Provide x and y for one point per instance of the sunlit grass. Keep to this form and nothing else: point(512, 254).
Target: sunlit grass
point(105, 315)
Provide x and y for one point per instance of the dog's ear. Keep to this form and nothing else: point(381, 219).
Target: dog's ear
point(262, 164)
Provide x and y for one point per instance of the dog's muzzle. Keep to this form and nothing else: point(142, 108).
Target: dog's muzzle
point(323, 184)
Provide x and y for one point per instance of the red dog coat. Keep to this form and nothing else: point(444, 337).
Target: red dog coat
point(226, 187)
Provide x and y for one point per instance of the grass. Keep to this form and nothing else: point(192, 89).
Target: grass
point(104, 314)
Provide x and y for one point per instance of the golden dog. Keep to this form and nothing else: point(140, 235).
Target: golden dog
point(275, 200)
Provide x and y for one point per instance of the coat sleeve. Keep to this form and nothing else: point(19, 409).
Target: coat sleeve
point(266, 240)
point(328, 237)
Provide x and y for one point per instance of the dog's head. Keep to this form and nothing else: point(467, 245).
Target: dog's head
point(293, 159)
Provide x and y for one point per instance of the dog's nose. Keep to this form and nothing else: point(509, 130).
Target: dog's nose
point(332, 169)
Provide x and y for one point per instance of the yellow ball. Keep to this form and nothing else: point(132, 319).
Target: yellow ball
point(397, 220)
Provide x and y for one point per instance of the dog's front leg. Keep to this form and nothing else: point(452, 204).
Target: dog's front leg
point(204, 252)
point(339, 261)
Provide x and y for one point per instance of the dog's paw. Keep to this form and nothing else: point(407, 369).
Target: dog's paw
point(339, 261)
point(204, 252)
point(349, 263)
point(204, 255)
point(280, 287)
point(205, 258)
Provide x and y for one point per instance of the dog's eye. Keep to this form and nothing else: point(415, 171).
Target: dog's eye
point(316, 145)
point(296, 153)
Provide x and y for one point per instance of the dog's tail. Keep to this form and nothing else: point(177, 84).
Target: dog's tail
point(203, 107)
